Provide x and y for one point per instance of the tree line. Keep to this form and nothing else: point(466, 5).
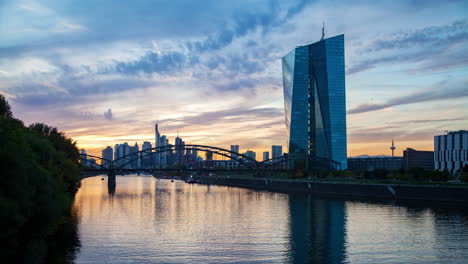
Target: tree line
point(39, 176)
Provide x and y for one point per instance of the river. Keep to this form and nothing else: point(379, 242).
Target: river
point(145, 220)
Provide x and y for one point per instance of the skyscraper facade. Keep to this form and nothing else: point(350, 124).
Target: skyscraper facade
point(157, 143)
point(121, 152)
point(251, 154)
point(276, 151)
point(234, 148)
point(451, 151)
point(179, 149)
point(266, 155)
point(107, 155)
point(163, 155)
point(134, 159)
point(314, 99)
point(146, 157)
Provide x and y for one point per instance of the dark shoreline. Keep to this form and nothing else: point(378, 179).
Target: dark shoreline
point(397, 192)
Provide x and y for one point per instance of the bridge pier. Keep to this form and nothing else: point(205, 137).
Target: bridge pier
point(111, 179)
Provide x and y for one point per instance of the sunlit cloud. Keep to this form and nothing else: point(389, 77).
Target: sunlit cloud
point(212, 72)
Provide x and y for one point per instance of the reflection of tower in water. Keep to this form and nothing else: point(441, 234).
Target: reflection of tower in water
point(317, 230)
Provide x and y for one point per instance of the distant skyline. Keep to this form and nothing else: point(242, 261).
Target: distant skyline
point(104, 73)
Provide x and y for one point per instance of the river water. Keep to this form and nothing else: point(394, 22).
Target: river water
point(145, 220)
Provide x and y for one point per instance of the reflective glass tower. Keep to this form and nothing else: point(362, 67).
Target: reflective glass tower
point(314, 100)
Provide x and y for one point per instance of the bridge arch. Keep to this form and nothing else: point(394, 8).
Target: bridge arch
point(104, 162)
point(241, 158)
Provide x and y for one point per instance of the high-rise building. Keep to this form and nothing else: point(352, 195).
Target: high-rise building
point(121, 152)
point(179, 149)
point(276, 151)
point(163, 155)
point(134, 159)
point(451, 151)
point(107, 155)
point(314, 100)
point(146, 156)
point(157, 143)
point(209, 156)
point(251, 154)
point(234, 148)
point(266, 155)
point(84, 158)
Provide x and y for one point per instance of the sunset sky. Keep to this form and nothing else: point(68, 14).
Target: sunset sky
point(104, 71)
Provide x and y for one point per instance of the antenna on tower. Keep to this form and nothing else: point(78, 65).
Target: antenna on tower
point(323, 30)
point(393, 148)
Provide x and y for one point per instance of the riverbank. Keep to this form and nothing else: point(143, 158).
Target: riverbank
point(352, 190)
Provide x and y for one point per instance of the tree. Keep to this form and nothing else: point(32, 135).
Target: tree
point(39, 176)
point(5, 109)
point(464, 174)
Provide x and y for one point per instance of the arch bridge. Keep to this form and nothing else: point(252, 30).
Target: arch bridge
point(245, 163)
point(123, 163)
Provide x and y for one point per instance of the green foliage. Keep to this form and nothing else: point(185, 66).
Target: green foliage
point(438, 175)
point(39, 177)
point(5, 109)
point(464, 174)
point(418, 174)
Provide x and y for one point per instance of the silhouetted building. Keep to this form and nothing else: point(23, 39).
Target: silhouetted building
point(266, 155)
point(228, 164)
point(209, 156)
point(374, 163)
point(234, 148)
point(314, 100)
point(164, 154)
point(179, 149)
point(451, 151)
point(276, 151)
point(251, 154)
point(121, 152)
point(134, 159)
point(84, 158)
point(146, 156)
point(157, 143)
point(418, 159)
point(107, 155)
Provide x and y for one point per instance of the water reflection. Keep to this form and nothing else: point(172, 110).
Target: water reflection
point(65, 244)
point(151, 221)
point(318, 230)
point(111, 184)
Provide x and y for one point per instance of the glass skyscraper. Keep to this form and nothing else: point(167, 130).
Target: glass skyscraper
point(314, 100)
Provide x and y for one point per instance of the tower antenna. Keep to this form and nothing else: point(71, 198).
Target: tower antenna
point(393, 148)
point(323, 30)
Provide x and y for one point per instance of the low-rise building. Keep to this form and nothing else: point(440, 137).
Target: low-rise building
point(418, 159)
point(370, 163)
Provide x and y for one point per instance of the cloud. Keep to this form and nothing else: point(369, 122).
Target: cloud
point(419, 121)
point(435, 36)
point(247, 21)
point(381, 135)
point(439, 46)
point(223, 117)
point(152, 62)
point(108, 114)
point(440, 93)
point(73, 89)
